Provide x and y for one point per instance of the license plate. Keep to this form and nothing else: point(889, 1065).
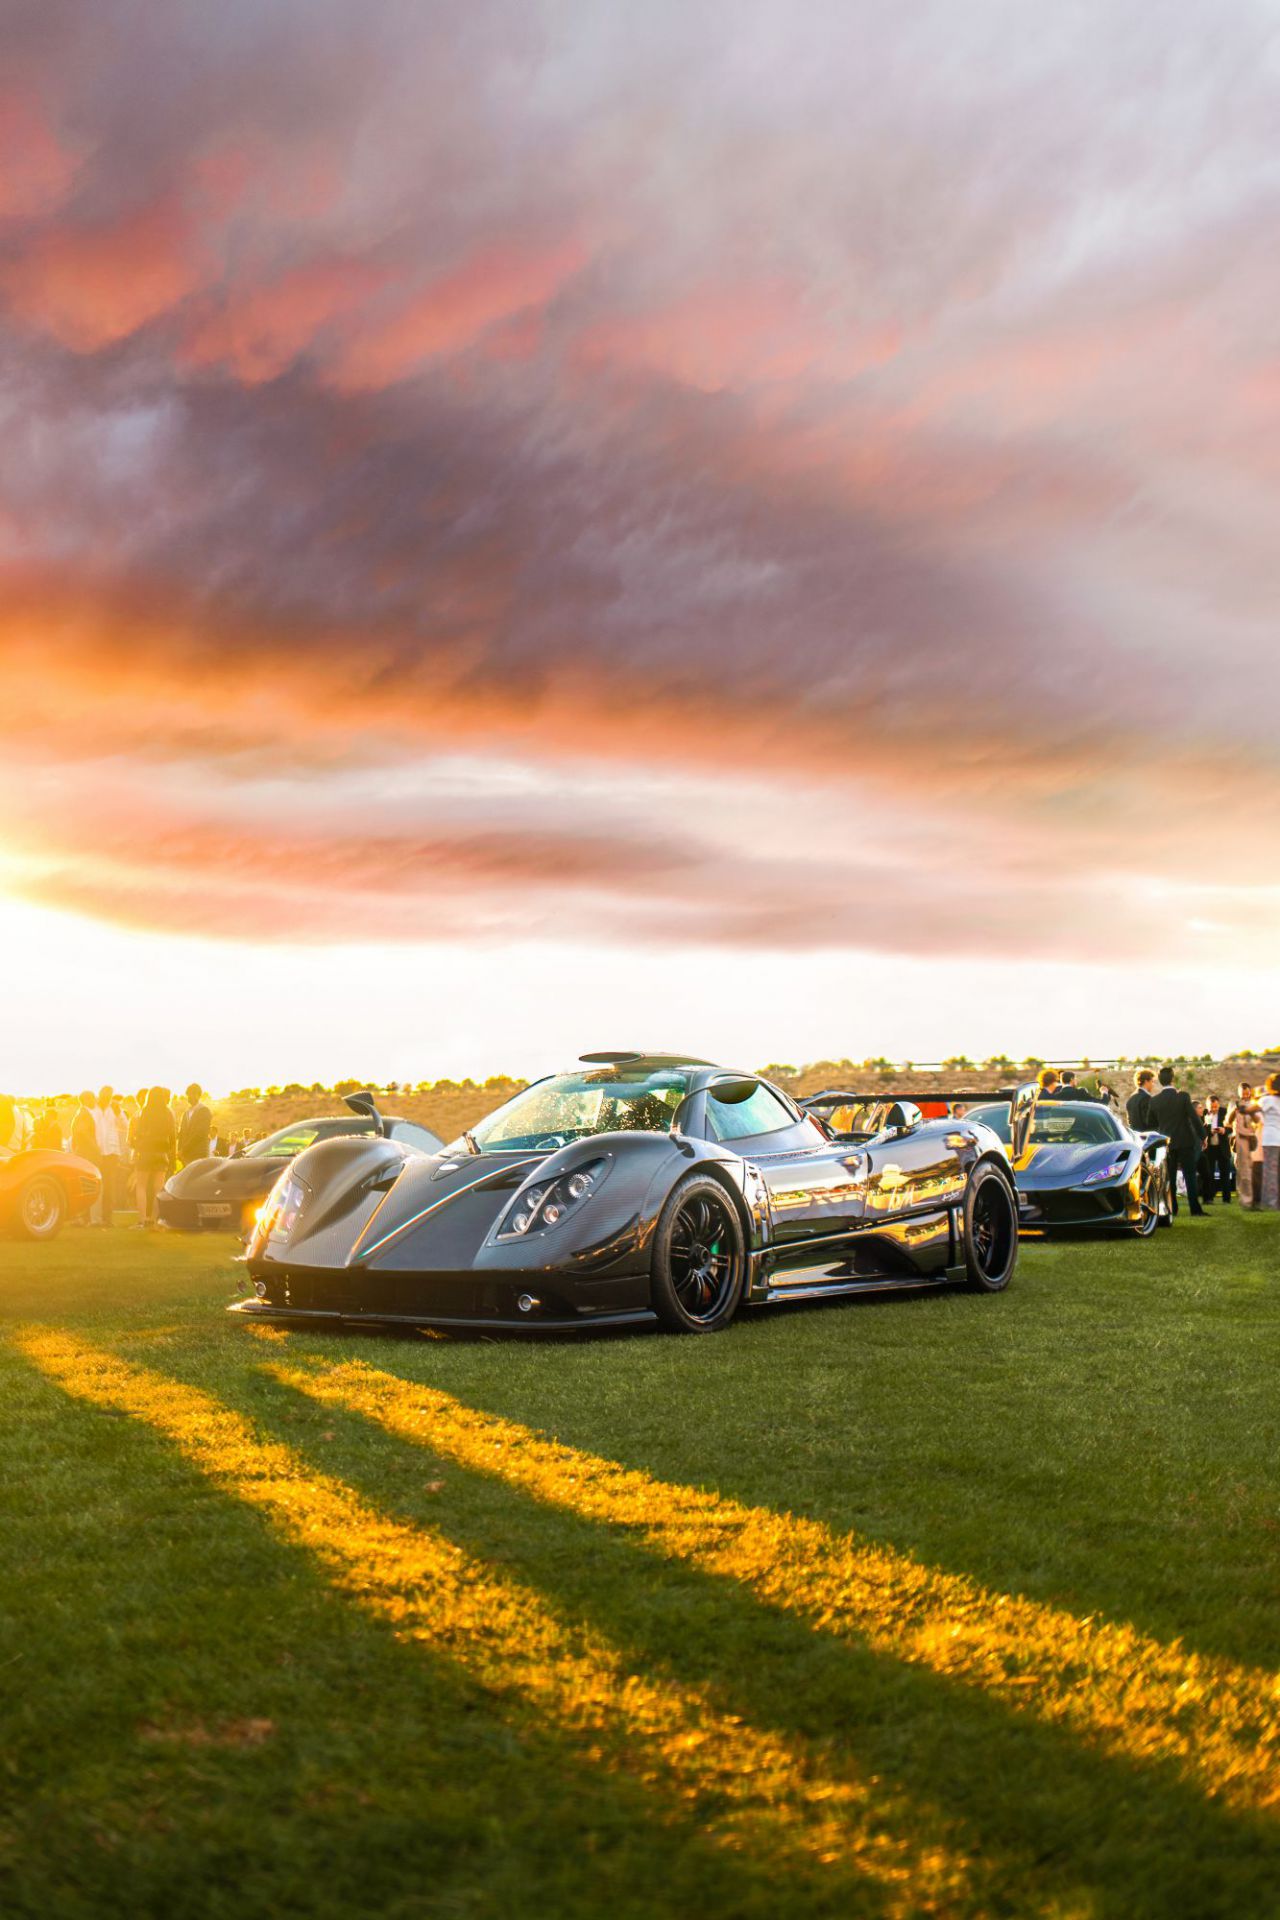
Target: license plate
point(213, 1210)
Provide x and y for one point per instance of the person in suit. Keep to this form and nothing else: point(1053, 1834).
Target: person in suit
point(1054, 1087)
point(84, 1131)
point(1216, 1164)
point(1138, 1106)
point(194, 1128)
point(48, 1131)
point(1174, 1116)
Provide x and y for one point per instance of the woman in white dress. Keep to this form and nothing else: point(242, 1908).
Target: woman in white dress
point(1270, 1107)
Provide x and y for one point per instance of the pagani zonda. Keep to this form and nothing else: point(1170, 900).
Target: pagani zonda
point(41, 1187)
point(1083, 1166)
point(637, 1188)
point(226, 1194)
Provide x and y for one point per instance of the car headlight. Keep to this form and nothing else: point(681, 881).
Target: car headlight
point(544, 1203)
point(1103, 1173)
point(278, 1214)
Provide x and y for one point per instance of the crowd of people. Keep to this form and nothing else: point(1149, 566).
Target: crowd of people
point(136, 1141)
point(1219, 1149)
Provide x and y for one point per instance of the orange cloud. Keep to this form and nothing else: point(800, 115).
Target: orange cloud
point(91, 286)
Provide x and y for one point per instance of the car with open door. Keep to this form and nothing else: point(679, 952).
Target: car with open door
point(1082, 1165)
point(636, 1187)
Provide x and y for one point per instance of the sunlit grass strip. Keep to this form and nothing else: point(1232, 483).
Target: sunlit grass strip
point(1135, 1696)
point(767, 1798)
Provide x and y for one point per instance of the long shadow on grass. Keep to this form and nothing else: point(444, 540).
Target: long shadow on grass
point(1108, 1435)
point(196, 1722)
point(1051, 1818)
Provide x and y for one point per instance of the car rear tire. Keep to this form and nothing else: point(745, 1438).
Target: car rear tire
point(699, 1257)
point(990, 1230)
point(40, 1209)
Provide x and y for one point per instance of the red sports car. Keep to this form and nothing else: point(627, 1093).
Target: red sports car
point(41, 1187)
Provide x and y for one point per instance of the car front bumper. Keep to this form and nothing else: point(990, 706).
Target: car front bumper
point(201, 1216)
point(1113, 1206)
point(528, 1322)
point(504, 1298)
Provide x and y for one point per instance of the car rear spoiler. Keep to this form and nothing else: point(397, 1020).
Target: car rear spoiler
point(1022, 1104)
point(843, 1097)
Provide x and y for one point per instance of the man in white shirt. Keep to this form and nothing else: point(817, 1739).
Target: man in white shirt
point(111, 1147)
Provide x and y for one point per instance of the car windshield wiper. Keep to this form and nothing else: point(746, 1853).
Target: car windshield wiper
point(470, 1140)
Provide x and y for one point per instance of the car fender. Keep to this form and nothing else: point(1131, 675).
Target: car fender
point(997, 1158)
point(744, 1185)
point(339, 1173)
point(67, 1168)
point(80, 1180)
point(644, 1168)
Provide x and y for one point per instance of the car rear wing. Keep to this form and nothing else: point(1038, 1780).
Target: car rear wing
point(877, 1106)
point(852, 1097)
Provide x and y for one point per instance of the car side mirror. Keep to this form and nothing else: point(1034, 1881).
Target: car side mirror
point(365, 1105)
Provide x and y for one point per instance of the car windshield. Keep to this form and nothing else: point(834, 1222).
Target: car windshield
point(570, 1106)
point(1058, 1124)
point(289, 1140)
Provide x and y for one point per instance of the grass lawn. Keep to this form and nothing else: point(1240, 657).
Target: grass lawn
point(305, 1625)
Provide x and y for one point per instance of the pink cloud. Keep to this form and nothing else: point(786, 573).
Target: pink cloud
point(494, 284)
point(36, 167)
point(91, 286)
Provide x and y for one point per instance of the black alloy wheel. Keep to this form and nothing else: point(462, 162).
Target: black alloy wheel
point(41, 1207)
point(990, 1230)
point(699, 1259)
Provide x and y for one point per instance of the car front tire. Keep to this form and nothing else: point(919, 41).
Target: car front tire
point(41, 1208)
point(699, 1257)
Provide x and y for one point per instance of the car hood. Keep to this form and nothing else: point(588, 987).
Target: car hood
point(442, 1208)
point(215, 1179)
point(1066, 1166)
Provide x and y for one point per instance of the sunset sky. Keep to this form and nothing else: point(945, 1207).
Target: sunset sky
point(535, 526)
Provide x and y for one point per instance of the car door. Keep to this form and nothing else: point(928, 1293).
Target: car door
point(915, 1168)
point(817, 1186)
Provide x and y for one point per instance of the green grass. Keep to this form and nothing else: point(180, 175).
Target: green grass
point(195, 1720)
